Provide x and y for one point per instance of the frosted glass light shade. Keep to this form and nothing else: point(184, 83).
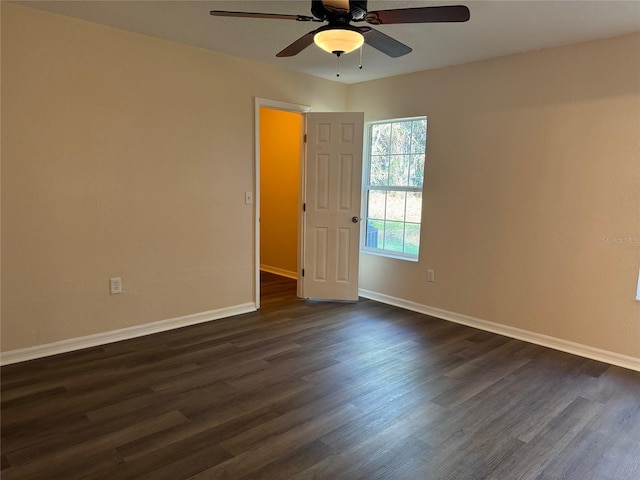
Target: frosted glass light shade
point(338, 40)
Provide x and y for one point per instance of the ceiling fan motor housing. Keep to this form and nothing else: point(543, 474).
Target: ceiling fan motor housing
point(357, 11)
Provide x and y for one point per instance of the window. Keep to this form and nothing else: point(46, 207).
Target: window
point(392, 184)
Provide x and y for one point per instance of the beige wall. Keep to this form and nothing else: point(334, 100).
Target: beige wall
point(533, 172)
point(280, 154)
point(125, 155)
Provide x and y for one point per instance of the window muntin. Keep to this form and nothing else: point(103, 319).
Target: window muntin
point(393, 180)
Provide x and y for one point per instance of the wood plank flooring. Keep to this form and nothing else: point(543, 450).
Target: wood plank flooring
point(320, 390)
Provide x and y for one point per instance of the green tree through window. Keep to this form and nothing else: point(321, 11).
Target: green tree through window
point(393, 180)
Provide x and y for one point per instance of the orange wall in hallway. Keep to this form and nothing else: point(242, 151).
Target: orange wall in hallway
point(280, 153)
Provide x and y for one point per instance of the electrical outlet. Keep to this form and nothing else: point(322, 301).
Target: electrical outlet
point(116, 285)
point(431, 276)
point(248, 198)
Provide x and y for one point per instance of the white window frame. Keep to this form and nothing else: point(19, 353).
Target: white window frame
point(366, 167)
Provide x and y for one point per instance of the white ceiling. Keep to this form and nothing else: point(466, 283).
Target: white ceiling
point(496, 28)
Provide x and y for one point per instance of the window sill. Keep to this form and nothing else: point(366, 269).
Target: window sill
point(398, 256)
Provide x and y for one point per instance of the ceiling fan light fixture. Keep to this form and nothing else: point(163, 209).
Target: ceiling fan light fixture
point(338, 40)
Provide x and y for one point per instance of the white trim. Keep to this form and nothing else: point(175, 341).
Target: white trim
point(276, 105)
point(64, 346)
point(387, 253)
point(279, 271)
point(632, 363)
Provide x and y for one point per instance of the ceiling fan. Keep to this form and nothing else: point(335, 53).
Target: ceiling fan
point(339, 36)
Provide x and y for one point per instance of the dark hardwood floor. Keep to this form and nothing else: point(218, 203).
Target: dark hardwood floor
point(319, 390)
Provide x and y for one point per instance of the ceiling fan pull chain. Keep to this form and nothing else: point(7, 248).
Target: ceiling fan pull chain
point(360, 65)
point(338, 65)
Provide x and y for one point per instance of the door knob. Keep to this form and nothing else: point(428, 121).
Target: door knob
point(355, 219)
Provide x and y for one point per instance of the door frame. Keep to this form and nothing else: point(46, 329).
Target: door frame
point(288, 107)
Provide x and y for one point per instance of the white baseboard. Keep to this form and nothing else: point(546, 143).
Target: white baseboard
point(279, 271)
point(64, 346)
point(586, 351)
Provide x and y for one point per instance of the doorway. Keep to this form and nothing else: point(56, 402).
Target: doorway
point(280, 164)
point(279, 171)
point(329, 182)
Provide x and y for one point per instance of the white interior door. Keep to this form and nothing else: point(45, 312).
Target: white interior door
point(332, 205)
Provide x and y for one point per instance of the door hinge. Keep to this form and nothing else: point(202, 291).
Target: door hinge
point(305, 138)
point(303, 272)
point(304, 207)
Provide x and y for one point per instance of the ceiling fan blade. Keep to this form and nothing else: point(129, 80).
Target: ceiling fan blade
point(384, 43)
point(447, 13)
point(297, 46)
point(277, 16)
